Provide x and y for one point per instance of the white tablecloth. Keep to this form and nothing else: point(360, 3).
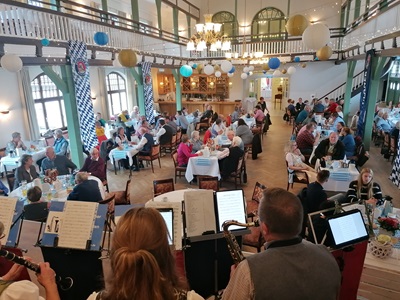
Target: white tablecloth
point(13, 162)
point(340, 179)
point(200, 165)
point(117, 154)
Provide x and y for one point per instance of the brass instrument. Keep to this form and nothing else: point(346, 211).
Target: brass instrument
point(233, 246)
point(64, 283)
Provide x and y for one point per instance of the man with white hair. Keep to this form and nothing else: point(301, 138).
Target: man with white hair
point(95, 165)
point(15, 143)
point(59, 162)
point(85, 189)
point(60, 143)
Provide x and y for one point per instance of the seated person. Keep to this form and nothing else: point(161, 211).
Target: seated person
point(15, 143)
point(208, 113)
point(319, 107)
point(182, 122)
point(384, 123)
point(145, 145)
point(339, 127)
point(354, 121)
point(60, 144)
point(135, 114)
point(360, 156)
point(107, 146)
point(121, 138)
point(100, 132)
point(172, 124)
point(3, 189)
point(59, 162)
point(165, 133)
point(94, 165)
point(235, 115)
point(330, 148)
point(259, 115)
point(335, 119)
point(26, 172)
point(217, 128)
point(196, 142)
point(295, 162)
point(249, 120)
point(306, 140)
point(34, 194)
point(85, 189)
point(331, 109)
point(395, 132)
point(303, 114)
point(291, 109)
point(348, 141)
point(100, 119)
point(229, 160)
point(185, 151)
point(25, 289)
point(244, 132)
point(365, 189)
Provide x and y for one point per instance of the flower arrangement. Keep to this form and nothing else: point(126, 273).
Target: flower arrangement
point(389, 224)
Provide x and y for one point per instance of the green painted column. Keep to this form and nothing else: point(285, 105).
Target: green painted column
point(66, 86)
point(347, 13)
point(135, 11)
point(377, 64)
point(159, 19)
point(138, 75)
point(189, 25)
point(175, 20)
point(104, 7)
point(178, 92)
point(351, 65)
point(357, 7)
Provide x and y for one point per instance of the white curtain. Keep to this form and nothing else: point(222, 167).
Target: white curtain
point(103, 93)
point(28, 103)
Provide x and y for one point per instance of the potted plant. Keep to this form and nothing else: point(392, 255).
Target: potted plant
point(389, 224)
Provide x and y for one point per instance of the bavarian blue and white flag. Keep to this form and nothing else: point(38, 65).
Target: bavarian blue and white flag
point(80, 74)
point(148, 92)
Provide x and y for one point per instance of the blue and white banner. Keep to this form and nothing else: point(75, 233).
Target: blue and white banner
point(80, 74)
point(148, 92)
point(395, 175)
point(365, 92)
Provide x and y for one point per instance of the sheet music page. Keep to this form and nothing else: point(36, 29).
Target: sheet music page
point(230, 205)
point(77, 226)
point(6, 215)
point(199, 212)
point(178, 229)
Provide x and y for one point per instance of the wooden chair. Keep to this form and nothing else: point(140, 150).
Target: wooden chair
point(179, 171)
point(10, 180)
point(36, 212)
point(155, 154)
point(255, 238)
point(49, 141)
point(208, 183)
point(110, 201)
point(393, 148)
point(169, 146)
point(203, 124)
point(122, 197)
point(304, 180)
point(105, 182)
point(163, 186)
point(237, 175)
point(178, 138)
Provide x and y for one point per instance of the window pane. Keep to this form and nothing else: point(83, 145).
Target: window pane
point(53, 114)
point(116, 103)
point(40, 117)
point(124, 101)
point(63, 113)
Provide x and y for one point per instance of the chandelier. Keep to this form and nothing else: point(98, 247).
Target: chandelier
point(208, 35)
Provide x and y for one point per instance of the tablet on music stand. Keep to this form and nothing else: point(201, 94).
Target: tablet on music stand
point(347, 228)
point(168, 216)
point(230, 205)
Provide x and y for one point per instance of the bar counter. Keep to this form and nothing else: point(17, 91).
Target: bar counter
point(221, 107)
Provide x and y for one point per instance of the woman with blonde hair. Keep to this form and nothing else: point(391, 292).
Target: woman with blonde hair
point(142, 262)
point(295, 163)
point(364, 188)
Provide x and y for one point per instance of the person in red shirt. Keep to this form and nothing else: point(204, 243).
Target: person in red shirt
point(185, 151)
point(332, 107)
point(95, 165)
point(259, 115)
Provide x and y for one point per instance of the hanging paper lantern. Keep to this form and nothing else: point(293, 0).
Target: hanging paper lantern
point(11, 62)
point(251, 68)
point(45, 42)
point(265, 72)
point(283, 71)
point(218, 74)
point(296, 25)
point(296, 59)
point(216, 68)
point(243, 76)
point(303, 65)
point(316, 36)
point(194, 66)
point(324, 53)
point(245, 69)
point(200, 68)
point(233, 69)
point(127, 58)
point(274, 63)
point(265, 67)
point(186, 71)
point(277, 73)
point(101, 38)
point(230, 74)
point(209, 69)
point(213, 62)
point(226, 66)
point(291, 70)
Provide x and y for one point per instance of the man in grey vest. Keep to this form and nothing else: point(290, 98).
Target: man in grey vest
point(289, 268)
point(164, 134)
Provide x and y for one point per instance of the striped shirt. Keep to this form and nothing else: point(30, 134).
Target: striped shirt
point(352, 193)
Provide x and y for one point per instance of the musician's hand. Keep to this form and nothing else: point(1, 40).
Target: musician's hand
point(13, 273)
point(233, 270)
point(47, 276)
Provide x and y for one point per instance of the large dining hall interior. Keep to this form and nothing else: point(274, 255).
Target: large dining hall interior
point(189, 149)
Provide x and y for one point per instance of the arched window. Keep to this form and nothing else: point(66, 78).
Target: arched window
point(229, 23)
point(49, 104)
point(269, 23)
point(116, 91)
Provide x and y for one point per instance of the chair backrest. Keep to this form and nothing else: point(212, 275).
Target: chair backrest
point(50, 141)
point(240, 164)
point(128, 190)
point(178, 136)
point(10, 180)
point(163, 186)
point(174, 155)
point(36, 212)
point(208, 183)
point(393, 143)
point(258, 192)
point(155, 150)
point(111, 203)
point(173, 140)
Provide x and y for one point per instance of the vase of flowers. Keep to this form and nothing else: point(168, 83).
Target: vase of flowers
point(388, 225)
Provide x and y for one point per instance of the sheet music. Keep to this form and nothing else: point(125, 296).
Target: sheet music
point(77, 225)
point(6, 215)
point(231, 206)
point(199, 212)
point(177, 208)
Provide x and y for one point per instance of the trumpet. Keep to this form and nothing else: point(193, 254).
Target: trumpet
point(233, 246)
point(64, 283)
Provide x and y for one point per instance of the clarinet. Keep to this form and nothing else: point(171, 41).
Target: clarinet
point(64, 283)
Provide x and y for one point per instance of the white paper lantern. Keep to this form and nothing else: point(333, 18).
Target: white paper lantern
point(191, 63)
point(243, 76)
point(251, 68)
point(291, 70)
point(230, 74)
point(213, 62)
point(11, 62)
point(226, 66)
point(316, 36)
point(245, 69)
point(116, 62)
point(277, 73)
point(208, 69)
point(218, 74)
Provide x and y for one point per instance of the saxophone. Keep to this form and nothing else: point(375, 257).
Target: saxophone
point(233, 246)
